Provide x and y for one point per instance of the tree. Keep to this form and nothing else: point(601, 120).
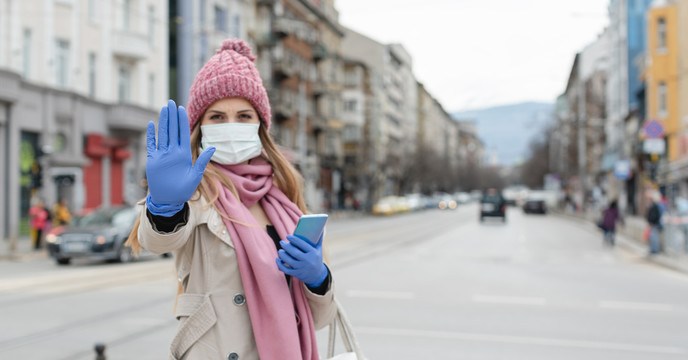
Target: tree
point(533, 171)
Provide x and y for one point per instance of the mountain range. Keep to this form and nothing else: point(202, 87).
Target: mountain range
point(507, 130)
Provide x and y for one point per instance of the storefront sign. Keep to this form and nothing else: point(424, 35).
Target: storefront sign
point(622, 169)
point(654, 146)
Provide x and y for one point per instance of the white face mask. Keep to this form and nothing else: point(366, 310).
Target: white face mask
point(234, 142)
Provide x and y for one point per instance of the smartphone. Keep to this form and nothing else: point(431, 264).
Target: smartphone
point(311, 227)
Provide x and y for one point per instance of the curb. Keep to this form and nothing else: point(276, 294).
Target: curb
point(22, 256)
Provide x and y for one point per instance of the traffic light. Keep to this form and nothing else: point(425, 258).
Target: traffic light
point(36, 175)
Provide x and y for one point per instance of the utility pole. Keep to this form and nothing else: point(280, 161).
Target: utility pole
point(184, 49)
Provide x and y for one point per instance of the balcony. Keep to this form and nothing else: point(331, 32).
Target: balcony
point(266, 40)
point(318, 52)
point(282, 71)
point(318, 88)
point(318, 123)
point(282, 107)
point(284, 27)
point(129, 117)
point(129, 44)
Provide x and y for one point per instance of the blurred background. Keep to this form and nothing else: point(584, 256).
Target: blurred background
point(400, 115)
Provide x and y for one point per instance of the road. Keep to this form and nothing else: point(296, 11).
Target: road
point(428, 285)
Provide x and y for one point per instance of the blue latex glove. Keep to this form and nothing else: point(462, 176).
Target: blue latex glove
point(300, 259)
point(172, 177)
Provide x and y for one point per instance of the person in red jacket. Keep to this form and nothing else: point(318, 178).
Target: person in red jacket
point(39, 221)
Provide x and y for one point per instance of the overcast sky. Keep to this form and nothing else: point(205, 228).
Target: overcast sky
point(479, 53)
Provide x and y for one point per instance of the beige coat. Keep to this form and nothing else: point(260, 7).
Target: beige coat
point(213, 317)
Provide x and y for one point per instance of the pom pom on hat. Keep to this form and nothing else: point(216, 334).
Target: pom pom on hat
point(238, 46)
point(231, 72)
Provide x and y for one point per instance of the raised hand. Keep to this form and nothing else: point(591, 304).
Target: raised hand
point(172, 176)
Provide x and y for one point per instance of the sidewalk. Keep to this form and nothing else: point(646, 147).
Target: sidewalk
point(23, 252)
point(629, 237)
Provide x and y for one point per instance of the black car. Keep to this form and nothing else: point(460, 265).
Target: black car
point(99, 234)
point(535, 206)
point(492, 205)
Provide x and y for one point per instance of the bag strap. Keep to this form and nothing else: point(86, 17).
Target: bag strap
point(341, 321)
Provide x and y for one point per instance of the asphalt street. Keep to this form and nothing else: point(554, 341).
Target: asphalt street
point(430, 285)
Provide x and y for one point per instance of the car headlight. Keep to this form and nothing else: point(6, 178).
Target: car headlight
point(100, 240)
point(53, 239)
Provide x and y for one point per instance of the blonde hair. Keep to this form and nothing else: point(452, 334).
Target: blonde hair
point(285, 177)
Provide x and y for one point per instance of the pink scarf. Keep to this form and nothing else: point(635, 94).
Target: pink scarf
point(282, 320)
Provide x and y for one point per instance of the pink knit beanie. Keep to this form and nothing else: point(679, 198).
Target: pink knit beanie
point(229, 73)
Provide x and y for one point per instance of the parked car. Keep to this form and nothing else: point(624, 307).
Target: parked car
point(462, 198)
point(99, 234)
point(415, 201)
point(492, 204)
point(389, 205)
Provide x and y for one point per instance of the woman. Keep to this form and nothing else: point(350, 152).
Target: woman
point(40, 218)
point(245, 293)
point(610, 217)
point(61, 213)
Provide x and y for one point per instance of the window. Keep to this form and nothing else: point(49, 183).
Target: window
point(151, 90)
point(350, 105)
point(661, 34)
point(333, 73)
point(126, 14)
point(237, 26)
point(203, 47)
point(351, 133)
point(92, 10)
point(201, 12)
point(351, 78)
point(26, 54)
point(333, 107)
point(220, 19)
point(92, 75)
point(62, 63)
point(662, 100)
point(151, 25)
point(124, 87)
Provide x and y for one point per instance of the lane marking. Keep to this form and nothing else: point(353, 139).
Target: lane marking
point(381, 294)
point(624, 305)
point(515, 300)
point(522, 340)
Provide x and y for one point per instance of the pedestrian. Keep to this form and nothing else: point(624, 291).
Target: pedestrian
point(245, 291)
point(610, 216)
point(40, 218)
point(61, 213)
point(654, 217)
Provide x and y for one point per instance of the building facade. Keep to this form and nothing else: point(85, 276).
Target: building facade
point(666, 77)
point(79, 81)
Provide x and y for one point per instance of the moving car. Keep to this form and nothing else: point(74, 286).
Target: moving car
point(537, 202)
point(99, 234)
point(445, 201)
point(537, 206)
point(492, 204)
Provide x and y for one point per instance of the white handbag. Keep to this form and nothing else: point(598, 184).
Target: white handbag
point(353, 351)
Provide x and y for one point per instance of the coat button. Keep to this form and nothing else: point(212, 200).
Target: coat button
point(239, 299)
point(224, 232)
point(232, 356)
